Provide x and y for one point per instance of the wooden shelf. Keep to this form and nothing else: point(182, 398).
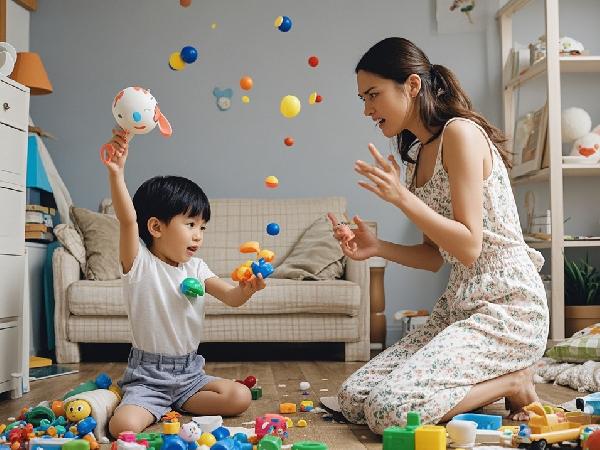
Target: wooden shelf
point(512, 7)
point(568, 170)
point(568, 64)
point(570, 243)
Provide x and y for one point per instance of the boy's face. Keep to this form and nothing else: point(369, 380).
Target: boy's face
point(180, 239)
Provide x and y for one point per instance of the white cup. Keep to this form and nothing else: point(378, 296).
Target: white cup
point(462, 433)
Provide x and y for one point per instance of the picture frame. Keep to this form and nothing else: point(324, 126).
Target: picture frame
point(529, 139)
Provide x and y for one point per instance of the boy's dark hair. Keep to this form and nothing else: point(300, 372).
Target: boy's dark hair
point(441, 97)
point(164, 197)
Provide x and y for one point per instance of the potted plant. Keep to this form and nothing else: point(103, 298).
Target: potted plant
point(582, 295)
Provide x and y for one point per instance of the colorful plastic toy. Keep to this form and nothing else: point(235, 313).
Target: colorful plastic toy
point(191, 288)
point(246, 83)
point(430, 437)
point(302, 423)
point(223, 97)
point(402, 437)
point(271, 424)
point(483, 421)
point(287, 408)
point(245, 99)
point(283, 23)
point(289, 141)
point(290, 106)
point(271, 181)
point(77, 410)
point(273, 229)
point(312, 445)
point(256, 393)
point(314, 97)
point(306, 405)
point(262, 267)
point(313, 61)
point(250, 247)
point(136, 111)
point(304, 386)
point(189, 54)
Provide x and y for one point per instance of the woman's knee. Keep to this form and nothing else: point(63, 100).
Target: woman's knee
point(383, 409)
point(129, 418)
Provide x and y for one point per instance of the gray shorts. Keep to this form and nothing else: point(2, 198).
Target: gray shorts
point(160, 383)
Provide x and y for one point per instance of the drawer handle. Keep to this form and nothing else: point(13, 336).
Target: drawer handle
point(6, 106)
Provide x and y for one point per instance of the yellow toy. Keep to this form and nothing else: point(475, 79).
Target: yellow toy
point(287, 408)
point(207, 439)
point(171, 427)
point(77, 410)
point(430, 437)
point(301, 423)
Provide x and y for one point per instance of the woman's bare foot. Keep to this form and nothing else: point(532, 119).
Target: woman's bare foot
point(524, 394)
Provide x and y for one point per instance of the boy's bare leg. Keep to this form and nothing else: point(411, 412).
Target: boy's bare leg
point(517, 387)
point(130, 418)
point(220, 398)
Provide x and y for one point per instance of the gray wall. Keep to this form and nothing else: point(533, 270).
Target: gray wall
point(93, 49)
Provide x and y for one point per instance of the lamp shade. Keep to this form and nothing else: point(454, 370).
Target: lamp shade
point(29, 71)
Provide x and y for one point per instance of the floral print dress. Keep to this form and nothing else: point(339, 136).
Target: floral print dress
point(491, 320)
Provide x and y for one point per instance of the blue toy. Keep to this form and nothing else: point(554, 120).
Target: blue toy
point(191, 288)
point(103, 381)
point(483, 421)
point(262, 267)
point(189, 54)
point(273, 229)
point(283, 24)
point(223, 97)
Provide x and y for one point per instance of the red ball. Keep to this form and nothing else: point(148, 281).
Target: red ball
point(318, 99)
point(289, 141)
point(185, 3)
point(313, 61)
point(593, 441)
point(250, 381)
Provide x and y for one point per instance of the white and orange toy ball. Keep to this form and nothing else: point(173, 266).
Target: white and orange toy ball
point(136, 111)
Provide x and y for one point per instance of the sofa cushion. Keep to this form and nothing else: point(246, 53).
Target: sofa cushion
point(100, 233)
point(234, 221)
point(316, 255)
point(70, 239)
point(105, 298)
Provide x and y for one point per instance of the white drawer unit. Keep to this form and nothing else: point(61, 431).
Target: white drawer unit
point(14, 104)
point(14, 120)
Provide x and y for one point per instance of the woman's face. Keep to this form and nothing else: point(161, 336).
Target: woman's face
point(386, 102)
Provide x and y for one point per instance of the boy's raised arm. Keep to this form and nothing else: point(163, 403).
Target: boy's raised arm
point(128, 238)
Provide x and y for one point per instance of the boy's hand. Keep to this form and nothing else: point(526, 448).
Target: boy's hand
point(251, 286)
point(120, 143)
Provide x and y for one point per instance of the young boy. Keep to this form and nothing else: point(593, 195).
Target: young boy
point(164, 371)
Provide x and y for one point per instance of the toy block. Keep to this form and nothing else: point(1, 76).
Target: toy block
point(398, 438)
point(171, 427)
point(270, 443)
point(483, 421)
point(430, 437)
point(77, 444)
point(154, 440)
point(309, 445)
point(413, 420)
point(256, 393)
point(306, 405)
point(287, 408)
point(301, 423)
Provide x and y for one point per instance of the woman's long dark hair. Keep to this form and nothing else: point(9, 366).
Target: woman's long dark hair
point(441, 97)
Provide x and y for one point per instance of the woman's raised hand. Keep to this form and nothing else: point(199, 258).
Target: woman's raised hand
point(384, 177)
point(359, 243)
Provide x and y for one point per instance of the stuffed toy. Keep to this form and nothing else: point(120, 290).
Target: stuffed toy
point(576, 127)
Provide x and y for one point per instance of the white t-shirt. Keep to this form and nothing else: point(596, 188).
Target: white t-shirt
point(162, 319)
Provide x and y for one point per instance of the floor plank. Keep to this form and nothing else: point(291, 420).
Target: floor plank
point(280, 382)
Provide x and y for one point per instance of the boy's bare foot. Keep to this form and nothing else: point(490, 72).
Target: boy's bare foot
point(524, 394)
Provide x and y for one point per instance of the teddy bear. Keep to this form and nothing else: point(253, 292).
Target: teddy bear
point(576, 127)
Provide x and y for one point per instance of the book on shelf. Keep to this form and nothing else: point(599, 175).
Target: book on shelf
point(40, 208)
point(39, 217)
point(41, 236)
point(37, 227)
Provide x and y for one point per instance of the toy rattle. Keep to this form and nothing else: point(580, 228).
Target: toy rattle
point(136, 111)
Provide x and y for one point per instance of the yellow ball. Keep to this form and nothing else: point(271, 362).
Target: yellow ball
point(176, 62)
point(245, 99)
point(214, 26)
point(207, 439)
point(290, 106)
point(77, 410)
point(312, 98)
point(278, 21)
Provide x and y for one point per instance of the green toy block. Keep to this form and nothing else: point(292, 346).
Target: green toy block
point(413, 419)
point(77, 444)
point(270, 442)
point(256, 393)
point(398, 438)
point(309, 445)
point(155, 440)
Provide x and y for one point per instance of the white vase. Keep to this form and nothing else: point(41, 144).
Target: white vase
point(462, 433)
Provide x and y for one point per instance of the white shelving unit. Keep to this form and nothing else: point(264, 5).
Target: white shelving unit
point(551, 68)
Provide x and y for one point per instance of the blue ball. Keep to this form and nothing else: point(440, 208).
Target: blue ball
point(189, 54)
point(286, 24)
point(273, 229)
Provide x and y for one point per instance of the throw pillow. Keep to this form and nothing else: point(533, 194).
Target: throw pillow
point(581, 347)
point(72, 241)
point(316, 255)
point(100, 233)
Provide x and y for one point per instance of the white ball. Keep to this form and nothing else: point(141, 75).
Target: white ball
point(575, 122)
point(304, 385)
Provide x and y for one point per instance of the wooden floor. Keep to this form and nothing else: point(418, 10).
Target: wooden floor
point(279, 381)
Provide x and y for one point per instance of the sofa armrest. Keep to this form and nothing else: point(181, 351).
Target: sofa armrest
point(358, 272)
point(66, 271)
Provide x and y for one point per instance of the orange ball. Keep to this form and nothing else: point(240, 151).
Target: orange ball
point(289, 141)
point(185, 3)
point(58, 408)
point(271, 181)
point(246, 83)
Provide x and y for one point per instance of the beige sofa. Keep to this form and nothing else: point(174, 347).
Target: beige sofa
point(286, 311)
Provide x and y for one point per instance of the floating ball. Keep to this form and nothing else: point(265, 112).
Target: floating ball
point(312, 98)
point(213, 26)
point(289, 141)
point(304, 386)
point(207, 439)
point(191, 287)
point(175, 61)
point(273, 229)
point(246, 83)
point(313, 61)
point(185, 3)
point(189, 54)
point(290, 106)
point(271, 182)
point(283, 23)
point(245, 99)
point(318, 99)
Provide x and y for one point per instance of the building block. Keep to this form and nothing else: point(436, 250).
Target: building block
point(306, 405)
point(154, 440)
point(256, 393)
point(402, 438)
point(270, 443)
point(309, 445)
point(430, 437)
point(483, 421)
point(287, 408)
